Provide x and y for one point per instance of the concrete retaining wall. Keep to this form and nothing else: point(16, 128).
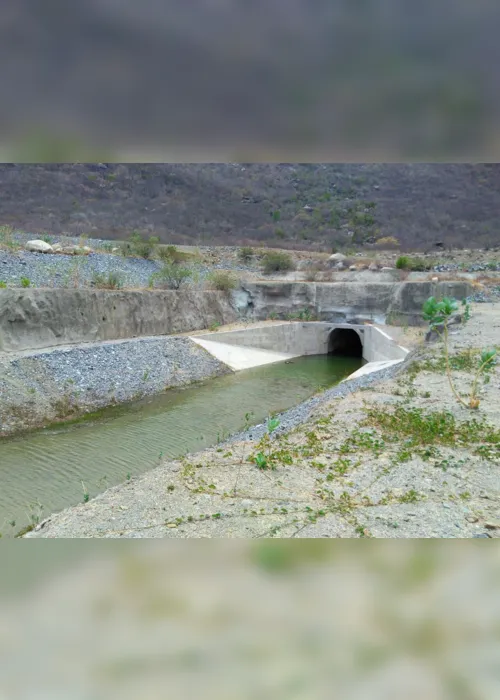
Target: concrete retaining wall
point(38, 318)
point(345, 302)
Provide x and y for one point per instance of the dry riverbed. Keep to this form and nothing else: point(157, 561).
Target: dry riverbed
point(396, 458)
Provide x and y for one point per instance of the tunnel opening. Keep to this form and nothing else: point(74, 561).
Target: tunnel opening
point(345, 342)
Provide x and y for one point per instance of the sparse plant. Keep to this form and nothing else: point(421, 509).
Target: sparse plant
point(387, 242)
point(3, 285)
point(140, 246)
point(261, 460)
point(277, 261)
point(248, 417)
point(86, 495)
point(171, 276)
point(466, 308)
point(170, 253)
point(7, 237)
point(25, 282)
point(404, 262)
point(438, 314)
point(222, 281)
point(272, 424)
point(245, 254)
point(110, 281)
point(303, 315)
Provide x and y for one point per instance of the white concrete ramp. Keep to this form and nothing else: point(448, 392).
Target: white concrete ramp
point(238, 357)
point(372, 367)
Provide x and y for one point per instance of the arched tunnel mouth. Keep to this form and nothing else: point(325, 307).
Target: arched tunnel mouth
point(345, 342)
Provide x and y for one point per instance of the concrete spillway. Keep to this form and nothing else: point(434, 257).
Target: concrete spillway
point(264, 344)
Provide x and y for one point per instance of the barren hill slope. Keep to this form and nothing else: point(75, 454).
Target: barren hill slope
point(285, 205)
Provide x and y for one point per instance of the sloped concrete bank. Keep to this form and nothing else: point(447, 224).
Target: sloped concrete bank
point(343, 302)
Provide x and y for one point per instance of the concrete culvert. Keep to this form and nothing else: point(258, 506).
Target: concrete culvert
point(346, 342)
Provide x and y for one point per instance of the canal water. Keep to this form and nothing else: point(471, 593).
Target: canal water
point(43, 472)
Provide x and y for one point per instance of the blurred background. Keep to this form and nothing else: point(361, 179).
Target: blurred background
point(229, 620)
point(249, 80)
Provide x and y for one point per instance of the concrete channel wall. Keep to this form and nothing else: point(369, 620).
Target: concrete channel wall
point(32, 319)
point(38, 318)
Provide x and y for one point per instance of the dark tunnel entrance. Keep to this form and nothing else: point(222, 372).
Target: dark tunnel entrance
point(345, 342)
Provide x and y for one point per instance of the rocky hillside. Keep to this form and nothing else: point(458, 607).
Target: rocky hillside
point(307, 206)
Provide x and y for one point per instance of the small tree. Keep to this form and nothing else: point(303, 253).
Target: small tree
point(438, 314)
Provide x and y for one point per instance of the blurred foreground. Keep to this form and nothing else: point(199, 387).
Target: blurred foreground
point(231, 620)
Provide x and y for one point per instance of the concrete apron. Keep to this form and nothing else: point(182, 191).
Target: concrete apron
point(238, 357)
point(244, 353)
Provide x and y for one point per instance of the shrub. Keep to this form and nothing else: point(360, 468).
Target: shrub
point(403, 262)
point(387, 242)
point(25, 282)
point(222, 281)
point(110, 281)
point(245, 254)
point(414, 264)
point(140, 246)
point(170, 254)
point(171, 276)
point(277, 261)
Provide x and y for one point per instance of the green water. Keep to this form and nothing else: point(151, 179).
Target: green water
point(43, 472)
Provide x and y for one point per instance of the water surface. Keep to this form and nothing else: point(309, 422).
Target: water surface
point(43, 472)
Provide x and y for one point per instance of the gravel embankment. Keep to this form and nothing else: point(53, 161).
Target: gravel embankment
point(36, 387)
point(56, 270)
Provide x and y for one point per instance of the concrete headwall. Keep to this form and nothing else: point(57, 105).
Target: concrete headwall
point(344, 302)
point(311, 338)
point(38, 318)
point(292, 338)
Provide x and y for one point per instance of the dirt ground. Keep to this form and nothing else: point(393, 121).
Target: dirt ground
point(378, 463)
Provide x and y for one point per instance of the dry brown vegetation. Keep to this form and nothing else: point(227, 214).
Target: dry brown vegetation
point(287, 206)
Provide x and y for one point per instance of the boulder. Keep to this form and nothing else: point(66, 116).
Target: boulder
point(353, 268)
point(37, 246)
point(337, 257)
point(387, 269)
point(340, 266)
point(373, 267)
